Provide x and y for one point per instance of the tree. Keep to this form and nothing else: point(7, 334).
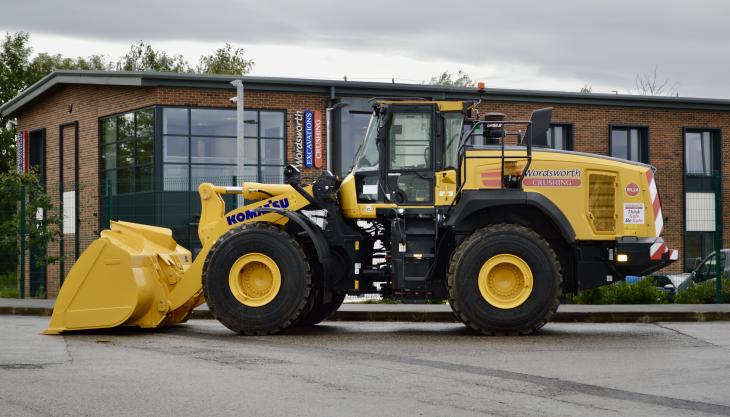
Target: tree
point(14, 56)
point(586, 89)
point(225, 61)
point(44, 63)
point(142, 57)
point(649, 84)
point(18, 71)
point(460, 79)
point(40, 230)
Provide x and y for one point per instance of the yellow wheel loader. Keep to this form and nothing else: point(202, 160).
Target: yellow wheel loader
point(441, 204)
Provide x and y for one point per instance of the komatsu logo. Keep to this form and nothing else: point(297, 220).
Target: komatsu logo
point(250, 214)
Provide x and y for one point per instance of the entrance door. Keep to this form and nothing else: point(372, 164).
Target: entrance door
point(37, 162)
point(410, 155)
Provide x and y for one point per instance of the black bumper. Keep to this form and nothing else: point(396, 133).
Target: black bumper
point(600, 263)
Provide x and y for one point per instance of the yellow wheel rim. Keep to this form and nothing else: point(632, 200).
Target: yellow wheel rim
point(254, 279)
point(505, 281)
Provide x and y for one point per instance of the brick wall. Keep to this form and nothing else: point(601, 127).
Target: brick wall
point(82, 104)
point(85, 104)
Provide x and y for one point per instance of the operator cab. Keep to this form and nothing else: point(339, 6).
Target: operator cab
point(410, 141)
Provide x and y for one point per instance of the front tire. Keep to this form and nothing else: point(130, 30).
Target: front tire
point(504, 279)
point(256, 279)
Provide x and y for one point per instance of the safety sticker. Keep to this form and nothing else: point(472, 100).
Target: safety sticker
point(633, 213)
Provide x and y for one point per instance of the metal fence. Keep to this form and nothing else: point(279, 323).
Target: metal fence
point(10, 244)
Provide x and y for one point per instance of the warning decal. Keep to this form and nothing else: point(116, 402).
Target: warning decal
point(633, 213)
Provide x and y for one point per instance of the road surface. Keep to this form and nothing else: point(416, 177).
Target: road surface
point(367, 369)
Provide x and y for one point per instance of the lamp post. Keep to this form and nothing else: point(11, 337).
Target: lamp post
point(241, 165)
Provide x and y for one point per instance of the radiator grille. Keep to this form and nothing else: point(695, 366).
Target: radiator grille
point(602, 202)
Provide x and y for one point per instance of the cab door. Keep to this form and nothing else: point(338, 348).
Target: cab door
point(410, 155)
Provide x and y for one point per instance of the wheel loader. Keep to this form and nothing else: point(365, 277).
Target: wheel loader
point(442, 203)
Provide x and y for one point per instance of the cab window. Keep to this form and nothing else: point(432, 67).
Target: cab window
point(452, 135)
point(410, 141)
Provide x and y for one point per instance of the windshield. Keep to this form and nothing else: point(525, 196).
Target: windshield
point(368, 156)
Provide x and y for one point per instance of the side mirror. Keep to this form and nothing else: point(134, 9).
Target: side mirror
point(669, 287)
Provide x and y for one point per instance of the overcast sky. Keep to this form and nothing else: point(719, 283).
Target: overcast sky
point(530, 44)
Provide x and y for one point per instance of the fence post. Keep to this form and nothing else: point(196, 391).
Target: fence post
point(719, 267)
point(21, 276)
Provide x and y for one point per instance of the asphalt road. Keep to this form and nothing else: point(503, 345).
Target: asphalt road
point(367, 368)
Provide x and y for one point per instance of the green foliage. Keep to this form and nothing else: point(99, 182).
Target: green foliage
point(14, 56)
point(142, 57)
point(460, 79)
point(40, 230)
point(704, 293)
point(19, 70)
point(225, 61)
point(9, 286)
point(44, 63)
point(643, 292)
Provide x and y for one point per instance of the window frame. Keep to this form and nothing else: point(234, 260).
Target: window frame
point(190, 136)
point(102, 145)
point(697, 182)
point(644, 137)
point(716, 145)
point(568, 137)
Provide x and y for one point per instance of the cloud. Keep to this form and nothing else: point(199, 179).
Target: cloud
point(603, 43)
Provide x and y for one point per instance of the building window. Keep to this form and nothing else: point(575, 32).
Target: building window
point(127, 147)
point(560, 136)
point(697, 245)
point(700, 151)
point(199, 145)
point(701, 158)
point(632, 143)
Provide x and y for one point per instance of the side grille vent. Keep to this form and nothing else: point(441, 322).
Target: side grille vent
point(602, 202)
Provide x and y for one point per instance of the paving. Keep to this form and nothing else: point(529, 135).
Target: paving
point(365, 369)
point(640, 313)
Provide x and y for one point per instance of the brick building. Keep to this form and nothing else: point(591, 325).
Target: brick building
point(147, 139)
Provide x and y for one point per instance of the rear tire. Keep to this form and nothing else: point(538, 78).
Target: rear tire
point(275, 279)
point(531, 294)
point(319, 311)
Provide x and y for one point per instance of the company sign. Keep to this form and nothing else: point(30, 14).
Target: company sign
point(308, 139)
point(317, 139)
point(241, 217)
point(552, 178)
point(299, 139)
point(632, 189)
point(22, 148)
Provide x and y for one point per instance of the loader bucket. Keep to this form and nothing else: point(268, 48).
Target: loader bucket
point(124, 278)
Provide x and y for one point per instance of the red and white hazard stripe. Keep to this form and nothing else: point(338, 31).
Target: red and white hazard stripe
point(658, 250)
point(656, 204)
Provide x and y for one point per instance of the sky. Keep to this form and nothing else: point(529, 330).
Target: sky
point(526, 44)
